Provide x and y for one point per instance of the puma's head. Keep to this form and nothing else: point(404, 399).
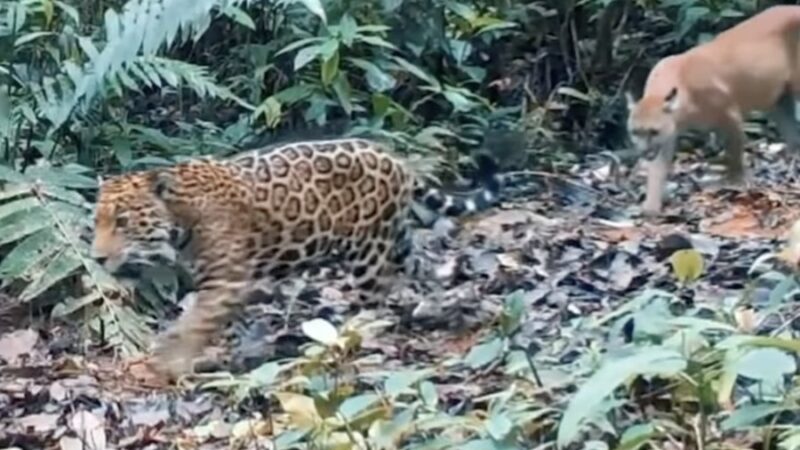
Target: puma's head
point(651, 122)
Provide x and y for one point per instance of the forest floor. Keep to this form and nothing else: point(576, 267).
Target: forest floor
point(572, 251)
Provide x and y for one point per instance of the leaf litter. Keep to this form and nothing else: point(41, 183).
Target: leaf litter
point(571, 249)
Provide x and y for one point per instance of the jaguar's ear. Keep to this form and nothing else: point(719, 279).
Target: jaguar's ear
point(160, 182)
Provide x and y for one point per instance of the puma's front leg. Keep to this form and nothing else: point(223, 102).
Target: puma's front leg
point(732, 130)
point(658, 171)
point(783, 115)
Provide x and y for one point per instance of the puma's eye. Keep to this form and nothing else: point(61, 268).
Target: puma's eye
point(121, 221)
point(647, 132)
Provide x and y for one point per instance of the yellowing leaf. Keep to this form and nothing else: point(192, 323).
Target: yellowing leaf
point(300, 408)
point(245, 430)
point(687, 265)
point(330, 68)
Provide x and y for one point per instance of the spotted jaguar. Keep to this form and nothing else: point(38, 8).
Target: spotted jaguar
point(262, 215)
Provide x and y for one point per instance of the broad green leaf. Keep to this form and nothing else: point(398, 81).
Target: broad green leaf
point(418, 72)
point(69, 10)
point(499, 425)
point(376, 41)
point(352, 407)
point(487, 25)
point(123, 151)
point(289, 438)
point(636, 435)
point(731, 13)
point(305, 56)
point(348, 28)
point(385, 433)
point(574, 93)
point(300, 43)
point(766, 364)
point(344, 93)
point(484, 353)
point(459, 102)
point(399, 381)
point(700, 324)
point(240, 16)
point(17, 14)
point(462, 9)
point(593, 392)
point(328, 48)
point(88, 47)
point(746, 416)
point(30, 37)
point(427, 392)
point(379, 81)
point(482, 444)
point(315, 6)
point(265, 374)
point(744, 341)
point(294, 94)
point(112, 24)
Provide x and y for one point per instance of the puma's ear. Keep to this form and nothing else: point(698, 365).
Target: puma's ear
point(671, 102)
point(631, 101)
point(160, 182)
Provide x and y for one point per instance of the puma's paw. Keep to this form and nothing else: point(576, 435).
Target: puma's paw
point(729, 180)
point(737, 182)
point(651, 209)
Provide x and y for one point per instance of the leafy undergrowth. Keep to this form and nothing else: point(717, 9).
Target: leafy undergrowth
point(557, 320)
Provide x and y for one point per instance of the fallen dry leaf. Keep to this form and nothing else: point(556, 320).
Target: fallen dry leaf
point(16, 344)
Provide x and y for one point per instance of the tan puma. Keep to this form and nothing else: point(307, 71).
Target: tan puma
point(753, 66)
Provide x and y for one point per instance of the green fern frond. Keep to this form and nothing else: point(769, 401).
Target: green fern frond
point(45, 221)
point(43, 218)
point(155, 71)
point(142, 29)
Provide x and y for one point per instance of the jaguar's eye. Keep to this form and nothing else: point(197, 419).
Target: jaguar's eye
point(121, 221)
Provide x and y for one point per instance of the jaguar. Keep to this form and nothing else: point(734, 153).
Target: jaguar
point(262, 215)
